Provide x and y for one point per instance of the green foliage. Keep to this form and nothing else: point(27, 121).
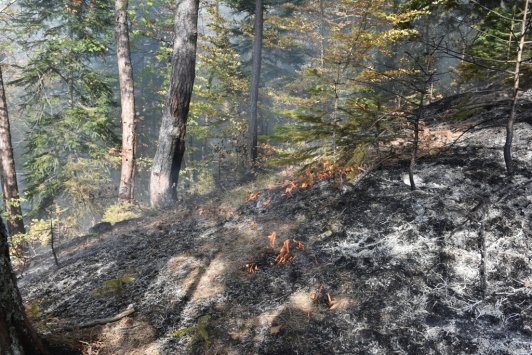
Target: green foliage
point(151, 35)
point(114, 287)
point(33, 310)
point(143, 163)
point(337, 81)
point(152, 25)
point(121, 212)
point(39, 230)
point(491, 54)
point(68, 102)
point(217, 118)
point(15, 202)
point(315, 137)
point(38, 234)
point(249, 5)
point(198, 331)
point(199, 179)
point(337, 111)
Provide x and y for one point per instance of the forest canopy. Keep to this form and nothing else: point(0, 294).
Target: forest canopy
point(328, 87)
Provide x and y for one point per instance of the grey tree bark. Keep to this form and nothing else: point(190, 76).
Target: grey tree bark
point(510, 123)
point(8, 172)
point(171, 145)
point(255, 81)
point(127, 103)
point(16, 334)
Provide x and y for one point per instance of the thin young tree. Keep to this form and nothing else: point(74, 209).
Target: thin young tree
point(421, 84)
point(127, 103)
point(511, 119)
point(16, 333)
point(171, 145)
point(9, 174)
point(255, 81)
point(490, 52)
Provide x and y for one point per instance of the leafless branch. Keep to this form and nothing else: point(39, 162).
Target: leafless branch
point(8, 6)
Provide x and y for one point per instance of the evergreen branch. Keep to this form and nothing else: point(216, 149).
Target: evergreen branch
point(504, 40)
point(495, 12)
point(454, 54)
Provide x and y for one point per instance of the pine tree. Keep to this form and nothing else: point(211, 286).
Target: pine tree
point(257, 8)
point(500, 30)
point(341, 112)
point(218, 124)
point(68, 100)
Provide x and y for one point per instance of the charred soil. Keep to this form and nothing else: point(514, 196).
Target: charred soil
point(368, 267)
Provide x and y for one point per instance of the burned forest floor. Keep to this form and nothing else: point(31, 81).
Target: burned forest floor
point(357, 267)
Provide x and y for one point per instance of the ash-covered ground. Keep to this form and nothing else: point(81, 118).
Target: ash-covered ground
point(376, 269)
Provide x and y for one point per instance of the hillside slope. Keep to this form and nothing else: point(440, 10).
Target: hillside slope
point(376, 268)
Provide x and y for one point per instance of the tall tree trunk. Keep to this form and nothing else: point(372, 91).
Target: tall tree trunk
point(16, 334)
point(254, 89)
point(127, 102)
point(510, 124)
point(171, 146)
point(323, 44)
point(9, 174)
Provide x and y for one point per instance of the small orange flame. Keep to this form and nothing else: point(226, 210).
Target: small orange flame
point(299, 244)
point(272, 237)
point(253, 196)
point(292, 185)
point(252, 268)
point(284, 254)
point(267, 202)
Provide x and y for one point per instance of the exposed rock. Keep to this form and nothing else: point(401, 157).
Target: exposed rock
point(101, 227)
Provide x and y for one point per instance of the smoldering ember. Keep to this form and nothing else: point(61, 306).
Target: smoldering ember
point(266, 177)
